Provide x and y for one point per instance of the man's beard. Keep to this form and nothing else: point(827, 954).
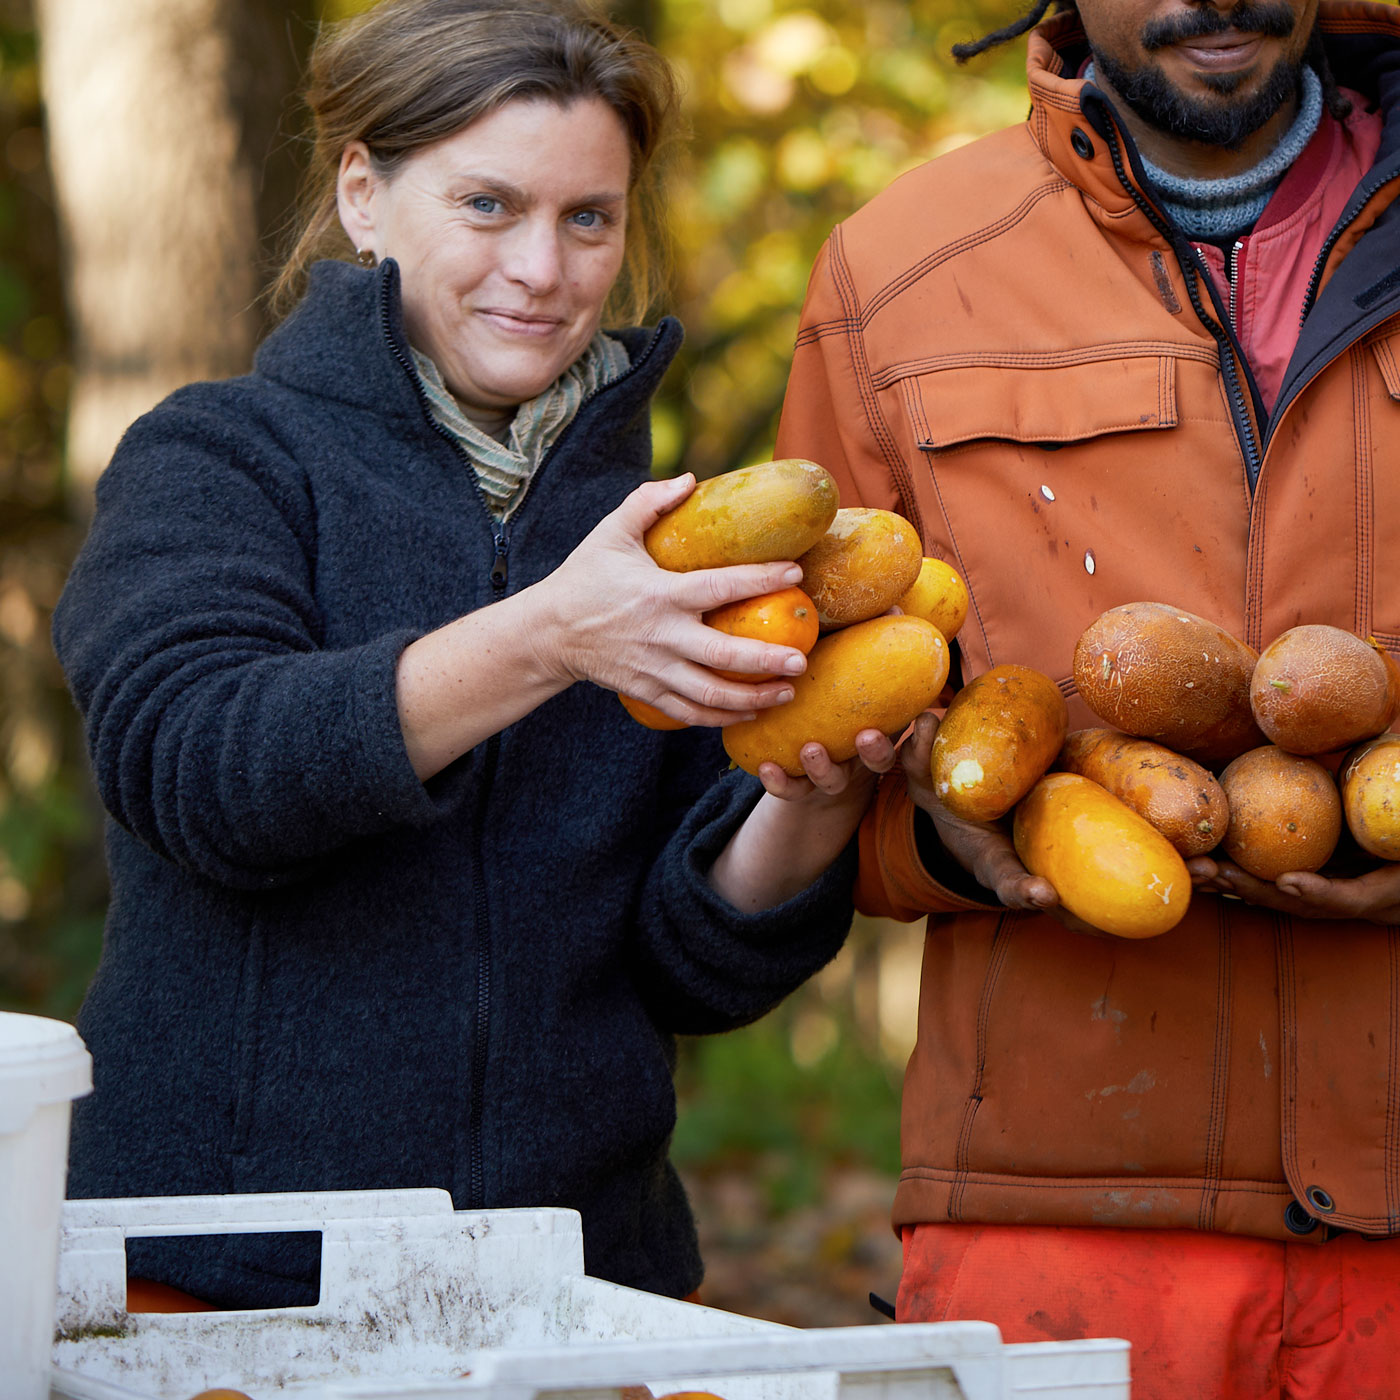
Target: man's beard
point(1150, 94)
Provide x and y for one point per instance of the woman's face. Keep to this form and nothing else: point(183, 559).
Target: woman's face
point(509, 236)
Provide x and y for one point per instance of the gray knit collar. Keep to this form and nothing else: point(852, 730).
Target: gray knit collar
point(1215, 209)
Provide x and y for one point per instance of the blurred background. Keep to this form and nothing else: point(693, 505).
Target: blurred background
point(149, 152)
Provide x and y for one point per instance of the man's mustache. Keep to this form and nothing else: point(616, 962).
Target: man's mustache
point(1271, 20)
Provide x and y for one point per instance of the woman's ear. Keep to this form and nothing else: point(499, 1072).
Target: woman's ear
point(355, 188)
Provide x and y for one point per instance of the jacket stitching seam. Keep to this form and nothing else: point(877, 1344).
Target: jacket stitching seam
point(914, 404)
point(1103, 353)
point(820, 329)
point(1362, 528)
point(924, 266)
point(1392, 1106)
point(1288, 1045)
point(1000, 943)
point(1229, 1186)
point(1380, 347)
point(1219, 1088)
point(954, 446)
point(855, 341)
point(1154, 424)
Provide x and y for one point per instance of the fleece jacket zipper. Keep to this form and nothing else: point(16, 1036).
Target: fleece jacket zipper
point(500, 579)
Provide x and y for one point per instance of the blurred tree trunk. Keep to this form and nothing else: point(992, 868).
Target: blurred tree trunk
point(168, 128)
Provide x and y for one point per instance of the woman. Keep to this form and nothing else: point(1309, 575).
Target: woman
point(397, 900)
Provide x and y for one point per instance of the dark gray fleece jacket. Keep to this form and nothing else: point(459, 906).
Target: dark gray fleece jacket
point(319, 972)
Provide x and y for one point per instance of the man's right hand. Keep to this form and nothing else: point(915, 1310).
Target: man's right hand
point(983, 849)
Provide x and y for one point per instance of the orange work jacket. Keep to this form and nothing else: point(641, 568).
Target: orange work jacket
point(1015, 349)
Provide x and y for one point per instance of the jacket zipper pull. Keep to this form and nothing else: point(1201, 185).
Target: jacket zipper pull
point(1232, 272)
point(498, 566)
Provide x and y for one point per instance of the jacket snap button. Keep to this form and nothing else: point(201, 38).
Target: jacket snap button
point(1083, 147)
point(1298, 1220)
point(1319, 1199)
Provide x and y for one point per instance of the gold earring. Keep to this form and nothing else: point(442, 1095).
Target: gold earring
point(365, 257)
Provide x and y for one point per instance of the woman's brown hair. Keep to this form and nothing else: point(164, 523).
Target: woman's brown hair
point(409, 73)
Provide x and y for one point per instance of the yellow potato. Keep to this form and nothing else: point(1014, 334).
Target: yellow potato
point(938, 596)
point(754, 515)
point(877, 674)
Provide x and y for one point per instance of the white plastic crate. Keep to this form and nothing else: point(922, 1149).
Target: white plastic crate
point(421, 1302)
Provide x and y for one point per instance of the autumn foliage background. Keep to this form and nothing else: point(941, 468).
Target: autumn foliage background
point(796, 114)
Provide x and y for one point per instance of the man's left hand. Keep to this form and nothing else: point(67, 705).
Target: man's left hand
point(1374, 896)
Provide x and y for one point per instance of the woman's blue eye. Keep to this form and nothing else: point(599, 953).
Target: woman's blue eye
point(485, 203)
point(588, 218)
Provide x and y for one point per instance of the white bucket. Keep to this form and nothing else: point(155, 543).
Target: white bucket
point(44, 1066)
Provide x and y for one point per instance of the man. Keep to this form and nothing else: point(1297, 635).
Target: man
point(1145, 347)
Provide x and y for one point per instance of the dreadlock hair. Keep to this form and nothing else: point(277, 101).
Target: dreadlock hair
point(1028, 21)
point(1315, 55)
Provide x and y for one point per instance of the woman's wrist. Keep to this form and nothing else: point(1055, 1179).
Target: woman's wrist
point(783, 846)
point(469, 679)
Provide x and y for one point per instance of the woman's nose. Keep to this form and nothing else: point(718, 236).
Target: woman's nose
point(533, 256)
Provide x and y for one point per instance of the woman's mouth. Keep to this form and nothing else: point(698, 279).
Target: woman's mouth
point(520, 322)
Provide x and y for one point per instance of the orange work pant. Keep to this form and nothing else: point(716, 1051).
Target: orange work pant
point(1209, 1317)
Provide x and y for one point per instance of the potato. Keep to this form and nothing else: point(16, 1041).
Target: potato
point(1109, 866)
point(649, 715)
point(753, 515)
point(1319, 689)
point(1179, 797)
point(1156, 672)
point(1000, 733)
point(877, 674)
point(1285, 812)
point(938, 595)
point(1370, 784)
point(863, 564)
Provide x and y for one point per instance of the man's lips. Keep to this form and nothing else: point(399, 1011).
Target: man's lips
point(1230, 49)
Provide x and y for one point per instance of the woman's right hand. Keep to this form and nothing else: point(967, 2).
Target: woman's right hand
point(612, 616)
point(607, 614)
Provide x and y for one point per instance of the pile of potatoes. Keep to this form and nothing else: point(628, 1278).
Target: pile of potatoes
point(867, 668)
point(1207, 746)
point(1212, 747)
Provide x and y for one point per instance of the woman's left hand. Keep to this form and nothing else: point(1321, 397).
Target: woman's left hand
point(1374, 896)
point(800, 825)
point(824, 779)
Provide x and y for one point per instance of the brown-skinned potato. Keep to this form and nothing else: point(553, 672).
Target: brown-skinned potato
point(1319, 689)
point(1179, 797)
point(1158, 672)
point(1285, 812)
